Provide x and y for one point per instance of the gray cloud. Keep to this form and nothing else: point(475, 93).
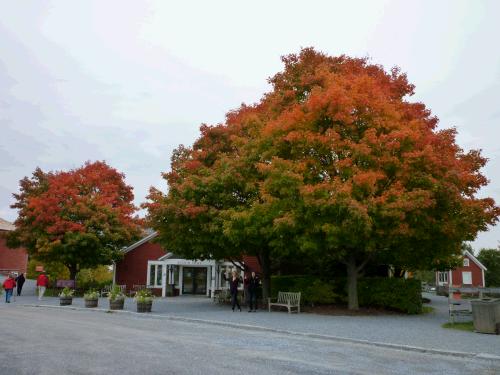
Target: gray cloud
point(129, 82)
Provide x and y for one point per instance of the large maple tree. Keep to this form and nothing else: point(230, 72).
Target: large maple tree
point(335, 162)
point(80, 218)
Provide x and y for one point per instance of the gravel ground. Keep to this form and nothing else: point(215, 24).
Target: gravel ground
point(59, 341)
point(421, 331)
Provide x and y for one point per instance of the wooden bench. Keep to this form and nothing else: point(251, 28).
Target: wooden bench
point(105, 291)
point(286, 299)
point(222, 296)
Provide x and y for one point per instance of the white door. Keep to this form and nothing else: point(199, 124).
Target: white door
point(467, 278)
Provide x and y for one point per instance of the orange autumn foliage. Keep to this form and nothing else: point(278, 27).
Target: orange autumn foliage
point(334, 162)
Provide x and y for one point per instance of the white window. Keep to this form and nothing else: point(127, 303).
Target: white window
point(443, 277)
point(155, 275)
point(467, 278)
point(466, 262)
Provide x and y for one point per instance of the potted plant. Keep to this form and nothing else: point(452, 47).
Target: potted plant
point(116, 298)
point(91, 298)
point(66, 296)
point(144, 299)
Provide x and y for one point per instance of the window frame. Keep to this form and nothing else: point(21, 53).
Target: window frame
point(469, 274)
point(466, 262)
point(443, 276)
point(157, 274)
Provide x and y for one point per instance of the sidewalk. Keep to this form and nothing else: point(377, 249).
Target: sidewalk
point(417, 331)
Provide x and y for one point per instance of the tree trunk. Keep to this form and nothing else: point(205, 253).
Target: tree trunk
point(73, 270)
point(352, 284)
point(265, 263)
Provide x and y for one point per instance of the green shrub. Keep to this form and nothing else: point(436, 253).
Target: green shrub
point(144, 296)
point(67, 292)
point(314, 290)
point(392, 293)
point(91, 294)
point(116, 294)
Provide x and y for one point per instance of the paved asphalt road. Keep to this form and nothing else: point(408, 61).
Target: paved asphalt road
point(53, 341)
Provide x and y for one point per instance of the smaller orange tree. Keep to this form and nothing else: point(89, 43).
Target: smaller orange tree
point(80, 218)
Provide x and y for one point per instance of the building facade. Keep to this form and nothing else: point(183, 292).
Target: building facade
point(470, 274)
point(11, 260)
point(146, 263)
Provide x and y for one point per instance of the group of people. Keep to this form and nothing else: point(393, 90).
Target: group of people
point(250, 285)
point(12, 281)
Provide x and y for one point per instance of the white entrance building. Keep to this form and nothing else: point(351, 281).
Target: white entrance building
point(177, 276)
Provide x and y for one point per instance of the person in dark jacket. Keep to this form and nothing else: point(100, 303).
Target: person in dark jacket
point(252, 285)
point(234, 282)
point(20, 282)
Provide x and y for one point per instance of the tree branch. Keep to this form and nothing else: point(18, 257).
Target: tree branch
point(363, 264)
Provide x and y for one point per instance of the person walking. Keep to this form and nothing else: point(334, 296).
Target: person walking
point(42, 282)
point(253, 284)
point(20, 282)
point(234, 282)
point(9, 285)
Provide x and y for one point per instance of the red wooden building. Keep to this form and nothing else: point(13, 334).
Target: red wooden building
point(146, 263)
point(11, 260)
point(470, 274)
point(132, 269)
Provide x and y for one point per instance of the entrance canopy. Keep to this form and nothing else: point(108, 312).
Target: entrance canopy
point(198, 277)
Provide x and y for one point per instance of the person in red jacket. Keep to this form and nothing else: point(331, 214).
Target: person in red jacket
point(42, 282)
point(9, 285)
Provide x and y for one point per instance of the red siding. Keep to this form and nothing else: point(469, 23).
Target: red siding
point(133, 268)
point(252, 262)
point(476, 271)
point(12, 259)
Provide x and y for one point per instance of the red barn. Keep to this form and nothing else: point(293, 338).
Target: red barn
point(470, 274)
point(11, 260)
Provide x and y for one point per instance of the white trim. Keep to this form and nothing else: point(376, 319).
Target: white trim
point(475, 260)
point(450, 279)
point(164, 281)
point(190, 263)
point(181, 279)
point(140, 242)
point(484, 283)
point(469, 277)
point(148, 278)
point(166, 256)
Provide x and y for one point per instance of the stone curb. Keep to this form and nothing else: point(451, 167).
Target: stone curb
point(461, 355)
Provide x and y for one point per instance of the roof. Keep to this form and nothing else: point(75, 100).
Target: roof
point(140, 242)
point(168, 256)
point(6, 225)
point(474, 259)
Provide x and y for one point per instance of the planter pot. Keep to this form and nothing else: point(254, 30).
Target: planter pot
point(91, 302)
point(143, 307)
point(65, 301)
point(117, 304)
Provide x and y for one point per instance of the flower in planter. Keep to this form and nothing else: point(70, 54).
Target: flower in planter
point(116, 294)
point(144, 296)
point(91, 294)
point(66, 292)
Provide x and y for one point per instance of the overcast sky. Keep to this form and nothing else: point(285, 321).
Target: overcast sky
point(127, 81)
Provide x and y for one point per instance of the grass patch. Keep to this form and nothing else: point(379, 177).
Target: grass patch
point(427, 309)
point(462, 326)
